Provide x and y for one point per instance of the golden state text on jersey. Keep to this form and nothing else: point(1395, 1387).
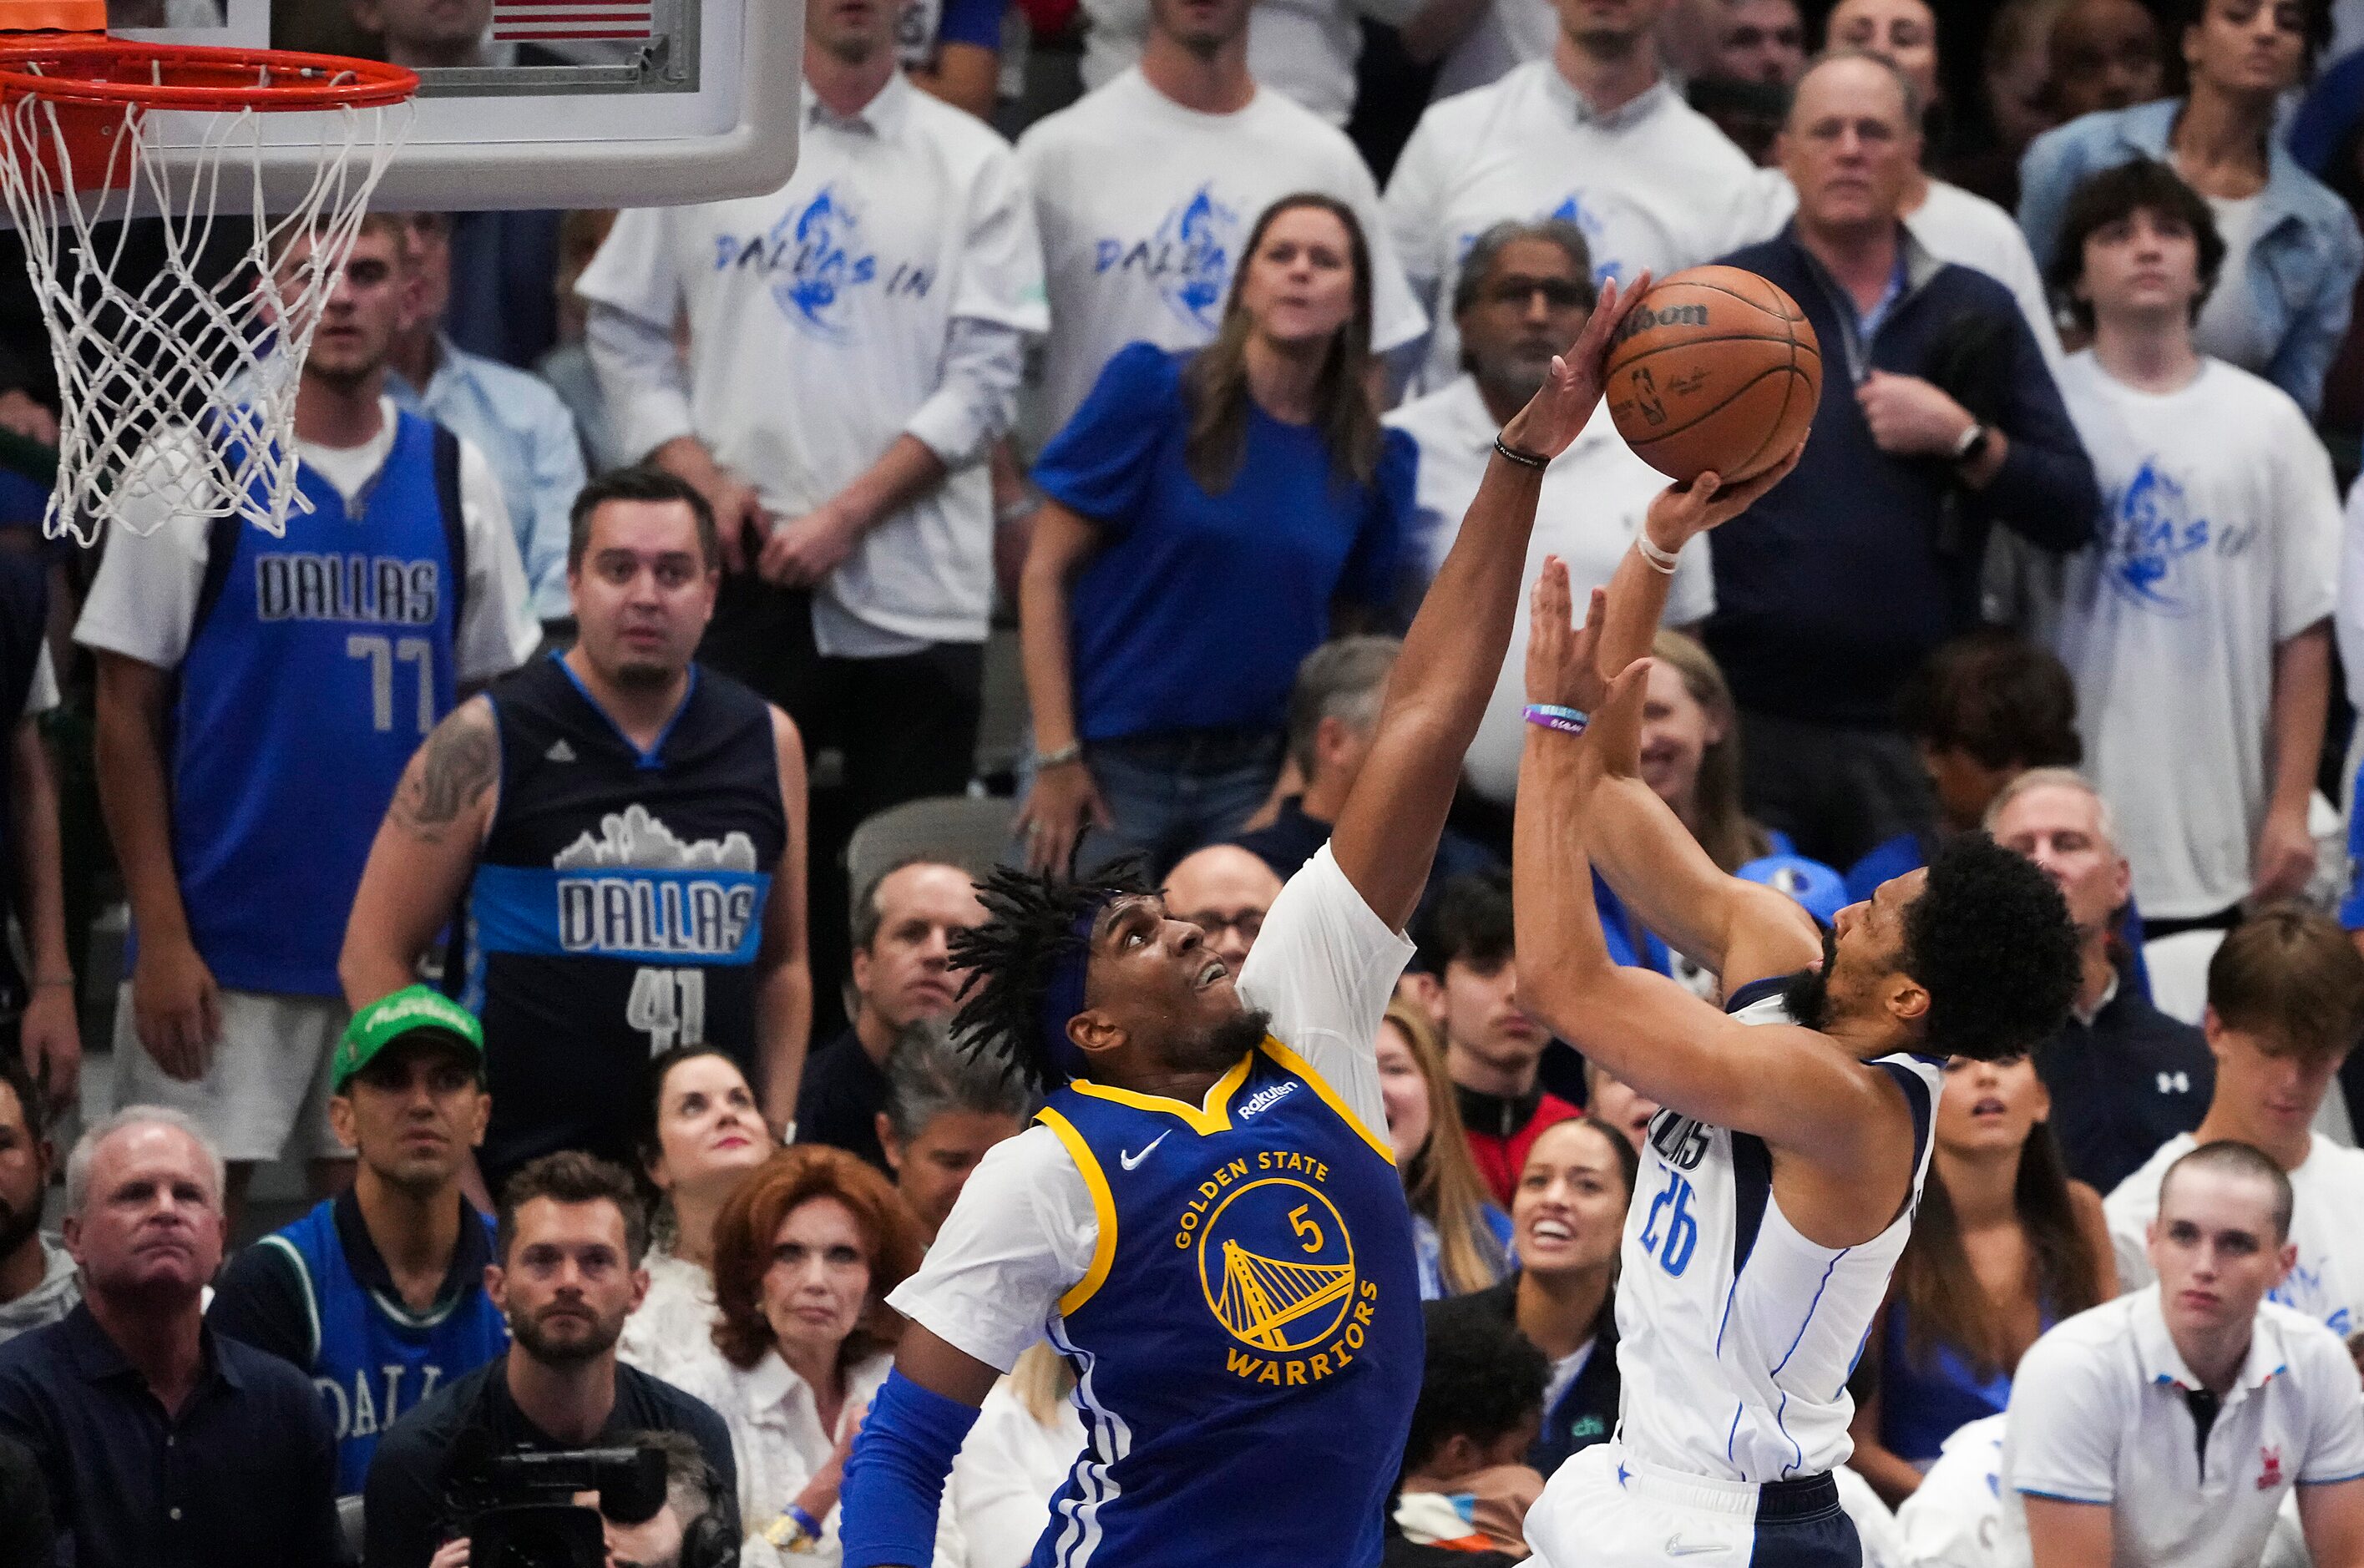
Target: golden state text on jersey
point(1247, 1341)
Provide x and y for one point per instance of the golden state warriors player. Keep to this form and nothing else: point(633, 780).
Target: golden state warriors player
point(1206, 1220)
point(1777, 1186)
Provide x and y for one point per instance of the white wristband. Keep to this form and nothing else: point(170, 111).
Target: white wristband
point(1660, 560)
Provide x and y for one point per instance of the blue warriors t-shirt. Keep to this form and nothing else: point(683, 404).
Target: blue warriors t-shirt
point(375, 1359)
point(618, 904)
point(1248, 1344)
point(323, 661)
point(1198, 609)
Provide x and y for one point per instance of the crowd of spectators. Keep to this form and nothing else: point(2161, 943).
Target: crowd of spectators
point(698, 536)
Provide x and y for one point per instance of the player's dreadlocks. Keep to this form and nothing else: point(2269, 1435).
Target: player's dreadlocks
point(1034, 925)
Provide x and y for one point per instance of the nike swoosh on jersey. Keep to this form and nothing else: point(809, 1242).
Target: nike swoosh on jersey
point(1131, 1161)
point(1677, 1546)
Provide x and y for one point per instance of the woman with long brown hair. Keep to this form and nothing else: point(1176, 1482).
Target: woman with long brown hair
point(805, 1253)
point(2004, 1246)
point(1464, 1242)
point(1207, 513)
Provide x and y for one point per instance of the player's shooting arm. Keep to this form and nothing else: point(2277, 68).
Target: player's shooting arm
point(424, 853)
point(784, 998)
point(1643, 1028)
point(1387, 831)
point(1738, 930)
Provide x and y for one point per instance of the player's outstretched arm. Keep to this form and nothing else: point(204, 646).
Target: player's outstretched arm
point(784, 998)
point(425, 851)
point(1642, 1028)
point(1386, 832)
point(1738, 930)
point(894, 1478)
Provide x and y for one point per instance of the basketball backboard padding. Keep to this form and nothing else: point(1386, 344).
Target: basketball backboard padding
point(565, 103)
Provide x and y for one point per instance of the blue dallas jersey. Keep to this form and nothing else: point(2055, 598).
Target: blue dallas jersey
point(1247, 1342)
point(317, 664)
point(374, 1359)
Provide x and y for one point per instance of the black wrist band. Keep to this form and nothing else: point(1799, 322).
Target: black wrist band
point(1524, 459)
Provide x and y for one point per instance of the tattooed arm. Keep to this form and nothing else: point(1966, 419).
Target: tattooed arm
point(425, 852)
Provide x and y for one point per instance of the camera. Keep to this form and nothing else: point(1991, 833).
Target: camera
point(519, 1511)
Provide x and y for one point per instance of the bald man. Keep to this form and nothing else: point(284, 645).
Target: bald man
point(1224, 890)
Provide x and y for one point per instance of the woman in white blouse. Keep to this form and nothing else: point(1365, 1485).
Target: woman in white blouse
point(703, 1136)
point(805, 1253)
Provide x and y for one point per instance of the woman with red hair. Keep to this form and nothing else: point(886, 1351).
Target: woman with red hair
point(805, 1253)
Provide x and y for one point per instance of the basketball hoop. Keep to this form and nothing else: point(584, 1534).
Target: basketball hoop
point(178, 394)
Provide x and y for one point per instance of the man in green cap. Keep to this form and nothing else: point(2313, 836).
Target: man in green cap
point(379, 1292)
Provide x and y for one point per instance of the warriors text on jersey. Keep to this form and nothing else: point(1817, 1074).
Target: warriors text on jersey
point(618, 904)
point(1737, 1334)
point(1248, 1344)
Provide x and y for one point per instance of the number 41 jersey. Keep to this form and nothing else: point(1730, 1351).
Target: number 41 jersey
point(618, 904)
point(1735, 1334)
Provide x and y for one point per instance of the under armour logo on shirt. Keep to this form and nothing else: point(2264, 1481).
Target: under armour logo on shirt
point(2175, 1083)
point(560, 751)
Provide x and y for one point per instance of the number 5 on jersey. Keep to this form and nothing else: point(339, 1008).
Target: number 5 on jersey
point(1672, 1247)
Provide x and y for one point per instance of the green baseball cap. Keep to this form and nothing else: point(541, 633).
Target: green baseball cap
point(390, 1019)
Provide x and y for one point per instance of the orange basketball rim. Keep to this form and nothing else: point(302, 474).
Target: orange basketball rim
point(58, 52)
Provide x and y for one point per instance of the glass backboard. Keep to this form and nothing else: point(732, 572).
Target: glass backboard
point(537, 102)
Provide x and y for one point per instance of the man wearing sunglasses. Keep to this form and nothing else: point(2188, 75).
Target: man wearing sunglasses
point(1524, 289)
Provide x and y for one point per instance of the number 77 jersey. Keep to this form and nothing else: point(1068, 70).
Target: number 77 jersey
point(1737, 1335)
point(315, 665)
point(617, 909)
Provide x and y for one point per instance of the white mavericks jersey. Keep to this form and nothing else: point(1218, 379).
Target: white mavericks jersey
point(1735, 1335)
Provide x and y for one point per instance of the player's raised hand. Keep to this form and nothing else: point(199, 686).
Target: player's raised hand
point(1561, 655)
point(1563, 407)
point(1680, 513)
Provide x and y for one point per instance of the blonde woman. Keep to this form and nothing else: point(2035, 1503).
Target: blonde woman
point(1463, 1238)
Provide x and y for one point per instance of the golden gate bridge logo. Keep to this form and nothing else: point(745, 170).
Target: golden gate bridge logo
point(1277, 1266)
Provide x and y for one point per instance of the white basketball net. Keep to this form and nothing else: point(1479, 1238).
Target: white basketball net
point(178, 397)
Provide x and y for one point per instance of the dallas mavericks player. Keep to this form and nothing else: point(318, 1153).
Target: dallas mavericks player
point(1207, 1221)
point(628, 831)
point(1779, 1183)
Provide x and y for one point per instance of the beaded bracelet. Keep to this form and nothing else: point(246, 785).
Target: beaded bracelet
point(1551, 716)
point(1524, 459)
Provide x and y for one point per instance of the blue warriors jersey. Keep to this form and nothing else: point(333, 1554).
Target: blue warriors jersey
point(318, 663)
point(372, 1358)
point(618, 906)
point(1247, 1342)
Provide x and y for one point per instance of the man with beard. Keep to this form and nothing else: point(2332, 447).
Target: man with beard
point(1779, 1182)
point(1208, 1222)
point(628, 831)
point(566, 1273)
point(159, 1441)
point(37, 1278)
point(1524, 291)
point(379, 1292)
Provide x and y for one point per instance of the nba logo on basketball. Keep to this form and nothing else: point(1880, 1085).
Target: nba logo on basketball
point(2270, 1475)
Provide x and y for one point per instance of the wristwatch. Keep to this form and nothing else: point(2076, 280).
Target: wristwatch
point(1973, 443)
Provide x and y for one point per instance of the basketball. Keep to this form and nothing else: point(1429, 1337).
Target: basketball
point(1715, 369)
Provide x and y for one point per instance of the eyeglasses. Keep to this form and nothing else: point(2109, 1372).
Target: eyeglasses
point(1559, 294)
point(1213, 923)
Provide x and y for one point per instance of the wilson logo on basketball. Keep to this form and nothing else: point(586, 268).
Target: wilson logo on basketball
point(1644, 318)
point(1717, 369)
